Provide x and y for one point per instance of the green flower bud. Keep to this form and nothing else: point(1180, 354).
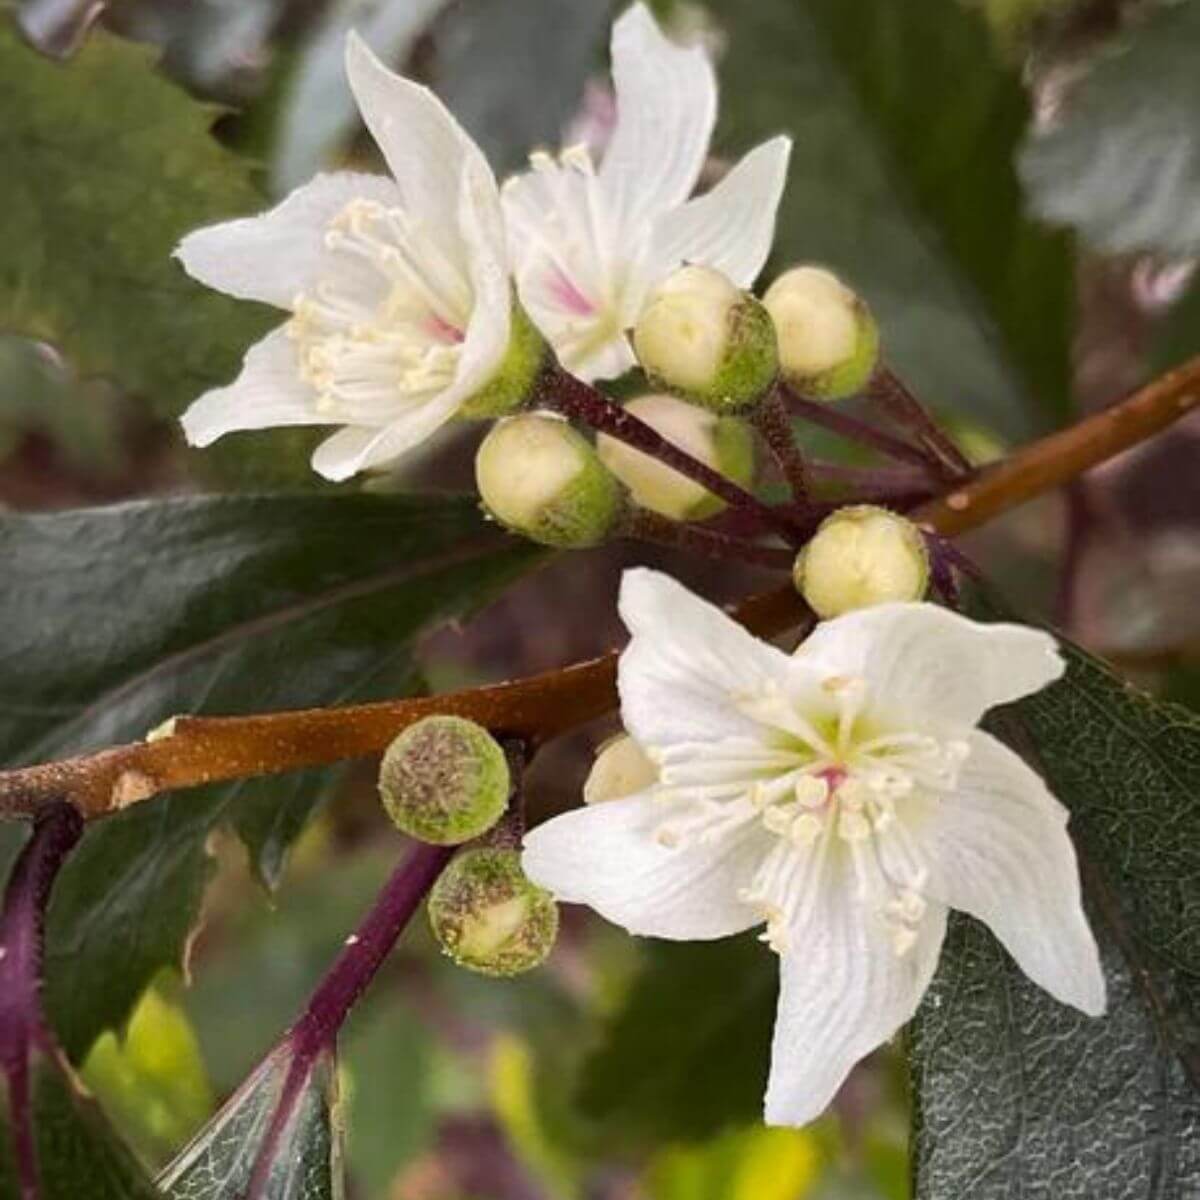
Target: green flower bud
point(513, 383)
point(620, 769)
point(488, 917)
point(543, 479)
point(828, 340)
point(724, 443)
point(861, 555)
point(706, 340)
point(444, 780)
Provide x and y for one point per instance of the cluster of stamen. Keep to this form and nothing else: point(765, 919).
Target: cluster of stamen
point(816, 785)
point(382, 331)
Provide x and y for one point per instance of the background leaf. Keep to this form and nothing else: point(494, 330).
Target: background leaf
point(1121, 161)
point(1017, 1095)
point(242, 604)
point(904, 125)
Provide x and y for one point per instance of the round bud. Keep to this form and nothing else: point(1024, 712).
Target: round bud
point(488, 917)
point(514, 380)
point(724, 443)
point(543, 479)
point(859, 556)
point(444, 780)
point(620, 769)
point(707, 340)
point(828, 340)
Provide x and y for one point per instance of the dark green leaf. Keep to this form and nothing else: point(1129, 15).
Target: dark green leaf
point(1017, 1095)
point(902, 178)
point(106, 166)
point(686, 1055)
point(118, 618)
point(1121, 162)
point(305, 1156)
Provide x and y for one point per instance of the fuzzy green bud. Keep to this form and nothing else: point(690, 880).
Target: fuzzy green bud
point(541, 478)
point(513, 382)
point(488, 917)
point(705, 339)
point(620, 769)
point(859, 556)
point(828, 340)
point(444, 780)
point(724, 443)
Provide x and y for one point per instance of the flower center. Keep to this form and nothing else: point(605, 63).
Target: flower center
point(834, 787)
point(381, 332)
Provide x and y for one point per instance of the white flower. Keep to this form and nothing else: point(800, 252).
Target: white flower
point(844, 795)
point(399, 289)
point(589, 243)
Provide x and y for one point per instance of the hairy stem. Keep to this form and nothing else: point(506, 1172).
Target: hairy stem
point(773, 423)
point(574, 398)
point(210, 749)
point(890, 394)
point(826, 416)
point(649, 526)
point(56, 830)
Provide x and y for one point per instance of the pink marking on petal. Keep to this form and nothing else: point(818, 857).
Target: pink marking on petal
point(834, 777)
point(568, 295)
point(443, 330)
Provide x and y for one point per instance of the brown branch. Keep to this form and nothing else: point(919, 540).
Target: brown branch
point(199, 750)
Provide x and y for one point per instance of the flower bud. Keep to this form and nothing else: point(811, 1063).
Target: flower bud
point(724, 443)
point(488, 917)
point(828, 340)
point(513, 382)
point(706, 340)
point(861, 555)
point(620, 769)
point(543, 479)
point(444, 780)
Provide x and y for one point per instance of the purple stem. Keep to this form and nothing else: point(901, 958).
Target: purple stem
point(364, 951)
point(56, 831)
point(878, 481)
point(891, 394)
point(772, 421)
point(712, 543)
point(574, 398)
point(854, 430)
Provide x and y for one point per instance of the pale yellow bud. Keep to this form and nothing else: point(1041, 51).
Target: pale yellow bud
point(828, 340)
point(862, 555)
point(543, 479)
point(707, 340)
point(621, 769)
point(724, 443)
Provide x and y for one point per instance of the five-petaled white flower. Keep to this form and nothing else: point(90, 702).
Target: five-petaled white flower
point(399, 289)
point(844, 795)
point(589, 243)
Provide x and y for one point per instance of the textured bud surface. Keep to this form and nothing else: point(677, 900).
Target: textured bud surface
point(444, 780)
point(705, 339)
point(620, 769)
point(862, 555)
point(543, 479)
point(488, 917)
point(724, 443)
point(828, 340)
point(515, 377)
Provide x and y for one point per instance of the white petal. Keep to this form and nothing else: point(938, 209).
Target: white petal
point(274, 256)
point(268, 392)
point(730, 228)
point(607, 857)
point(843, 991)
point(606, 360)
point(925, 663)
point(998, 849)
point(666, 105)
point(359, 448)
point(425, 147)
point(686, 665)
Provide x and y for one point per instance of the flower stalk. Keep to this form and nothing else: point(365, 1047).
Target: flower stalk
point(772, 421)
point(889, 392)
point(648, 526)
